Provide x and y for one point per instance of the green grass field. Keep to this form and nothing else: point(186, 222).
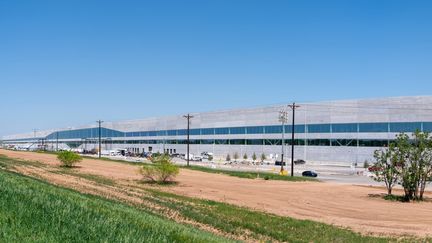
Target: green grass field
point(34, 211)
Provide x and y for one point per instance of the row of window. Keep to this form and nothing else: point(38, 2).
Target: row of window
point(85, 133)
point(395, 127)
point(309, 128)
point(309, 142)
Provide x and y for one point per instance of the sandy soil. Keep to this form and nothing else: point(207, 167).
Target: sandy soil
point(356, 207)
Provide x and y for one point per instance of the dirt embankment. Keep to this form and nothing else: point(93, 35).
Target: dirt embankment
point(344, 205)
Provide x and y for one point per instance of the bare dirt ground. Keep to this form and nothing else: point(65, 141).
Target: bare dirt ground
point(355, 207)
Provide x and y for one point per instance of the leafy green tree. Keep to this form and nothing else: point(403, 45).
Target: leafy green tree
point(245, 157)
point(68, 158)
point(407, 165)
point(421, 160)
point(407, 161)
point(161, 171)
point(385, 168)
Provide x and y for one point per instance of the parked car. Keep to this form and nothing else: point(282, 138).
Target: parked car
point(299, 162)
point(175, 155)
point(196, 158)
point(374, 168)
point(309, 173)
point(206, 155)
point(279, 163)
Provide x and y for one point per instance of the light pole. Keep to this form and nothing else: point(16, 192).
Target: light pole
point(100, 136)
point(188, 117)
point(293, 107)
point(283, 114)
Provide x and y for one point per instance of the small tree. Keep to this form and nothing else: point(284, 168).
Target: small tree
point(263, 157)
point(162, 170)
point(68, 158)
point(245, 157)
point(406, 165)
point(236, 156)
point(421, 153)
point(366, 164)
point(384, 168)
point(228, 157)
point(407, 161)
point(254, 157)
point(210, 158)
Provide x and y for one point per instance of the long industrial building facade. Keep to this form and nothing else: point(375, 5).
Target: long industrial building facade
point(325, 132)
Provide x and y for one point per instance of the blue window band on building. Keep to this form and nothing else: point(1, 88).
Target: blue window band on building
point(379, 127)
point(374, 127)
point(344, 128)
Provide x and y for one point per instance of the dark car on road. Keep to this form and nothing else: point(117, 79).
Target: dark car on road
point(309, 173)
point(299, 162)
point(279, 163)
point(296, 162)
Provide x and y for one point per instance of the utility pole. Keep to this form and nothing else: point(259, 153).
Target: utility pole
point(57, 141)
point(293, 107)
point(283, 118)
point(188, 117)
point(100, 136)
point(34, 137)
point(34, 133)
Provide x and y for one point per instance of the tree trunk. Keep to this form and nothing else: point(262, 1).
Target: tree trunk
point(422, 188)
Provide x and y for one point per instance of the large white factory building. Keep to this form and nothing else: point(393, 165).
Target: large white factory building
point(346, 131)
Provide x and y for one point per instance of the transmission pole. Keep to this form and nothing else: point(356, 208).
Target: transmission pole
point(188, 117)
point(293, 107)
point(100, 136)
point(283, 118)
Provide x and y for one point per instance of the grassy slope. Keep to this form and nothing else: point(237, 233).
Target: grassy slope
point(236, 220)
point(34, 211)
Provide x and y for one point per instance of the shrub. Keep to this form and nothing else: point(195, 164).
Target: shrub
point(245, 157)
point(68, 158)
point(366, 164)
point(210, 158)
point(266, 177)
point(228, 157)
point(254, 157)
point(155, 156)
point(162, 170)
point(236, 156)
point(263, 157)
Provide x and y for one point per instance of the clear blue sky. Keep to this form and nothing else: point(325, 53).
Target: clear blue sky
point(65, 63)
